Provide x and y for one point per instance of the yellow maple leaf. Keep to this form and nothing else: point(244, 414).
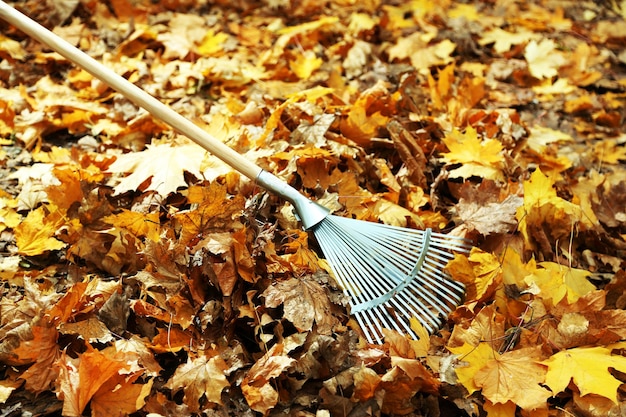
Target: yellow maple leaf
point(139, 224)
point(481, 158)
point(543, 206)
point(472, 359)
point(543, 58)
point(556, 282)
point(360, 126)
point(513, 376)
point(305, 64)
point(588, 368)
point(212, 43)
point(480, 272)
point(35, 235)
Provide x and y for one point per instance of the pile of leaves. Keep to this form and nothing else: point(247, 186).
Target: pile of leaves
point(141, 275)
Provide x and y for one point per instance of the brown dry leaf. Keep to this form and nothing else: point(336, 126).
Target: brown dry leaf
point(491, 217)
point(43, 351)
point(200, 376)
point(257, 384)
point(304, 302)
point(488, 325)
point(91, 330)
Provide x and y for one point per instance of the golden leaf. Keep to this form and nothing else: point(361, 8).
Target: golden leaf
point(514, 376)
point(481, 158)
point(588, 368)
point(35, 235)
point(139, 224)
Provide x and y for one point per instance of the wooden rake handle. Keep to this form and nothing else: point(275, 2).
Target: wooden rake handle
point(130, 91)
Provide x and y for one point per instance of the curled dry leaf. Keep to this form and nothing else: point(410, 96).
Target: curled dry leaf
point(257, 384)
point(304, 302)
point(201, 376)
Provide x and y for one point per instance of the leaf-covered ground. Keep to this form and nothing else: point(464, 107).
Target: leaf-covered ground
point(142, 276)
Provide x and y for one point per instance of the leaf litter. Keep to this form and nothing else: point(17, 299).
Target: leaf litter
point(140, 275)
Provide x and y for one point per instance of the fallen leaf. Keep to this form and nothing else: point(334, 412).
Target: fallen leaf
point(588, 368)
point(80, 378)
point(481, 158)
point(163, 165)
point(257, 383)
point(304, 302)
point(35, 234)
point(200, 376)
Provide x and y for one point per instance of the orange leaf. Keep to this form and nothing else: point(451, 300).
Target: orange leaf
point(366, 382)
point(80, 378)
point(120, 396)
point(44, 351)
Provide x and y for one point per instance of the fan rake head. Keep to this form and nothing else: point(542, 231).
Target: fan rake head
point(392, 274)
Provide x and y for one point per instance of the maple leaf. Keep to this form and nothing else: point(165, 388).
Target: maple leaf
point(492, 217)
point(304, 302)
point(481, 158)
point(44, 351)
point(543, 59)
point(503, 40)
point(513, 376)
point(200, 376)
point(542, 207)
point(588, 368)
point(256, 385)
point(162, 164)
point(480, 271)
point(139, 224)
point(120, 395)
point(35, 234)
point(80, 378)
point(555, 282)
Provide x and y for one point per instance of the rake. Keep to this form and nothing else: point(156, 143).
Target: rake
point(391, 274)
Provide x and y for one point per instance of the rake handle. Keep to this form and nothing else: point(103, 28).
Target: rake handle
point(130, 91)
